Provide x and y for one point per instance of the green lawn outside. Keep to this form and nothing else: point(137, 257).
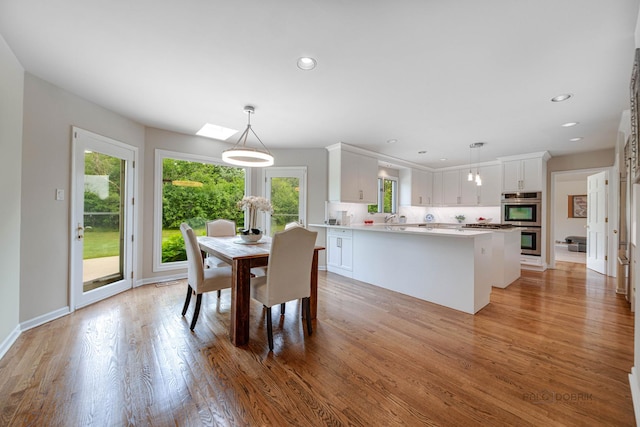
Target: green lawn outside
point(101, 243)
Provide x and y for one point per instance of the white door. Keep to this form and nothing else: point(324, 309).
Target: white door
point(597, 222)
point(102, 218)
point(286, 188)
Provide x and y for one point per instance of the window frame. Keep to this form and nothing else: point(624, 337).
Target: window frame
point(394, 194)
point(160, 155)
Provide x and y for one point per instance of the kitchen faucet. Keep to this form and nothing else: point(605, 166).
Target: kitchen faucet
point(389, 218)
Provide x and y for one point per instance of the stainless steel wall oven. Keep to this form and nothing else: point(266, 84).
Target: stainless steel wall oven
point(530, 238)
point(524, 210)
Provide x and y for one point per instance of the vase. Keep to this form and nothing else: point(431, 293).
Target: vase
point(251, 236)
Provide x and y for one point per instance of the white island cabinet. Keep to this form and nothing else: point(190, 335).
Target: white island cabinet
point(339, 251)
point(449, 267)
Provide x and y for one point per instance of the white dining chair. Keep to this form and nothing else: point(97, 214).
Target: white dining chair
point(288, 274)
point(200, 279)
point(262, 271)
point(219, 228)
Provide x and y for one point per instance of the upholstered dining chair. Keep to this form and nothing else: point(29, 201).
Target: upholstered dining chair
point(262, 271)
point(200, 279)
point(292, 224)
point(288, 274)
point(219, 228)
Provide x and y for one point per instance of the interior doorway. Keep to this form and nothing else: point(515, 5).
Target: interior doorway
point(568, 232)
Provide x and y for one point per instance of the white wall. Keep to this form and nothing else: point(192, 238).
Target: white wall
point(49, 114)
point(11, 104)
point(564, 226)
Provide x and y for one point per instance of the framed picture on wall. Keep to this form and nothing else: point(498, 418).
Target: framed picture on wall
point(578, 206)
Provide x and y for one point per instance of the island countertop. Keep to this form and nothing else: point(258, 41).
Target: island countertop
point(452, 266)
point(415, 229)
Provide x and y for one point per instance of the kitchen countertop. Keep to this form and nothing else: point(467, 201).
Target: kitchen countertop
point(414, 229)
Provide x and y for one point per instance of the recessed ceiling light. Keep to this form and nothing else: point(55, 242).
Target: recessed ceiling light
point(306, 63)
point(217, 132)
point(444, 159)
point(569, 124)
point(422, 152)
point(561, 98)
point(391, 141)
point(578, 138)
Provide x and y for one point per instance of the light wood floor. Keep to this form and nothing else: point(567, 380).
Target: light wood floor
point(554, 348)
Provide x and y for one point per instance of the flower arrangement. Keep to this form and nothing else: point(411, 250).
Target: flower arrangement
point(253, 205)
point(460, 218)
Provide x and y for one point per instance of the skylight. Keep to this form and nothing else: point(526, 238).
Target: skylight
point(216, 132)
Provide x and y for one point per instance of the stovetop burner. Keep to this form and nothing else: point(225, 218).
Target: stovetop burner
point(489, 226)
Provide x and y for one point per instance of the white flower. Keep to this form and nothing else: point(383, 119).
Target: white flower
point(253, 205)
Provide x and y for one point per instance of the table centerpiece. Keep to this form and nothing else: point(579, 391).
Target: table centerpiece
point(252, 205)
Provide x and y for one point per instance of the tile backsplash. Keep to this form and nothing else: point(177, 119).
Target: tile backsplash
point(356, 213)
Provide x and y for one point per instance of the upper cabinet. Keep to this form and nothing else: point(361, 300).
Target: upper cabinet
point(489, 193)
point(437, 198)
point(453, 188)
point(457, 189)
point(353, 178)
point(415, 187)
point(524, 174)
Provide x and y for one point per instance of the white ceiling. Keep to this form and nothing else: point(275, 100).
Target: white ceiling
point(435, 75)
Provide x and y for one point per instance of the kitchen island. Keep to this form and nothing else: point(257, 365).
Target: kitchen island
point(450, 267)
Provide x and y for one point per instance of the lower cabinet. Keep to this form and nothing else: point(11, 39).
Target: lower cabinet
point(340, 251)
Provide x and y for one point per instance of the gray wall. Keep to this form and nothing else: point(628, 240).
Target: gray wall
point(49, 114)
point(11, 104)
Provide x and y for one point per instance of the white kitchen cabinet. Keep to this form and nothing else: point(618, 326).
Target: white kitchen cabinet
point(523, 175)
point(451, 187)
point(457, 189)
point(415, 187)
point(353, 178)
point(340, 251)
point(490, 192)
point(437, 193)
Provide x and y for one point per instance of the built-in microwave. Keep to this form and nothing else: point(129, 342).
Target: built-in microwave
point(522, 209)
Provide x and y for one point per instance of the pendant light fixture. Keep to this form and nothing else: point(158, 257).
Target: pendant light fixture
point(241, 155)
point(478, 180)
point(470, 176)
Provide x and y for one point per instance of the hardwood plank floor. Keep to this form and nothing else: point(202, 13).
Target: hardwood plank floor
point(554, 348)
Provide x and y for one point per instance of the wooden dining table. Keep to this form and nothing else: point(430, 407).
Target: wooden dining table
point(243, 257)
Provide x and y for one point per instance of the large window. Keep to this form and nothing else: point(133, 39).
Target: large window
point(194, 190)
point(387, 196)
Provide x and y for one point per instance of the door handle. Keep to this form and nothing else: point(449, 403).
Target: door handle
point(80, 231)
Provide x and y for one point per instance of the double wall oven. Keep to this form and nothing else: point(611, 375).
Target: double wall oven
point(524, 210)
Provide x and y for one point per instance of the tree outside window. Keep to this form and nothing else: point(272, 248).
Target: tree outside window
point(387, 197)
point(196, 192)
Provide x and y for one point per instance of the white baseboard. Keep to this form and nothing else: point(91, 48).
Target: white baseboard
point(41, 320)
point(634, 383)
point(8, 342)
point(25, 326)
point(160, 279)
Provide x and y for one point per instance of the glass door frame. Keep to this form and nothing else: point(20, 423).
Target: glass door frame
point(84, 140)
point(299, 172)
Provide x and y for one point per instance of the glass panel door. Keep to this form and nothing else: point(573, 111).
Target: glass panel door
point(286, 188)
point(103, 220)
point(102, 242)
